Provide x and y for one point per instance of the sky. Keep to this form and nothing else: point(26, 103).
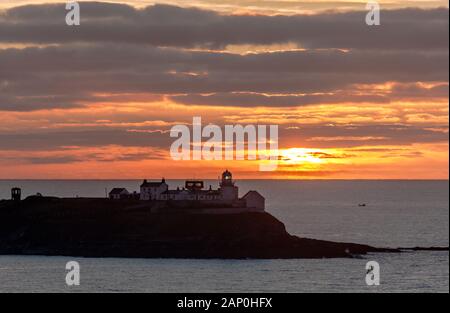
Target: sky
point(97, 101)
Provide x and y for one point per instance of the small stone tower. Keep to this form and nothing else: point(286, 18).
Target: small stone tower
point(16, 194)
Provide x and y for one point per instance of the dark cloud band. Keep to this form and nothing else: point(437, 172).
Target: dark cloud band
point(164, 25)
point(72, 75)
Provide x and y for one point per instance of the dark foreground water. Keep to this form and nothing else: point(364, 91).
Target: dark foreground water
point(398, 214)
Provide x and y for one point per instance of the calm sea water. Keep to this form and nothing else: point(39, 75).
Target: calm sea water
point(398, 214)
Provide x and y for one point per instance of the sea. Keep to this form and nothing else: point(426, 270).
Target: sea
point(403, 213)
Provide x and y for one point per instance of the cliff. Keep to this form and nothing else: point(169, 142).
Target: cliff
point(104, 228)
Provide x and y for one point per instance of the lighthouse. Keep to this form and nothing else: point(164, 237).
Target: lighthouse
point(229, 191)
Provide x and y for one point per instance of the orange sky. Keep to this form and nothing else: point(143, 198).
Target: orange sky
point(85, 109)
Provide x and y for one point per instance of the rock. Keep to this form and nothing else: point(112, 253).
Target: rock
point(104, 228)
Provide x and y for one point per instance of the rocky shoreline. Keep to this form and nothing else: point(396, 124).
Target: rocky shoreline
point(129, 229)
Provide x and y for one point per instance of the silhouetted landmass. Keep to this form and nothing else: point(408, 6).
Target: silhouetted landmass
point(135, 229)
point(425, 249)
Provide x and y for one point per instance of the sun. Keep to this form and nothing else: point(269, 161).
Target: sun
point(302, 156)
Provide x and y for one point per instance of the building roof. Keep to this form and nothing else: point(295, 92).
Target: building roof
point(227, 173)
point(118, 191)
point(254, 192)
point(152, 184)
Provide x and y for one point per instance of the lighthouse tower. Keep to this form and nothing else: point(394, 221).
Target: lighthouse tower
point(229, 191)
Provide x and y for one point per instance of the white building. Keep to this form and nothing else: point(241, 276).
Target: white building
point(254, 200)
point(153, 190)
point(227, 194)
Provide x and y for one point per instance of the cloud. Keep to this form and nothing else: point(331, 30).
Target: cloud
point(165, 25)
point(31, 103)
point(45, 140)
point(261, 100)
point(121, 53)
point(318, 136)
point(73, 75)
point(415, 91)
point(408, 91)
point(50, 160)
point(163, 53)
point(70, 155)
point(313, 136)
